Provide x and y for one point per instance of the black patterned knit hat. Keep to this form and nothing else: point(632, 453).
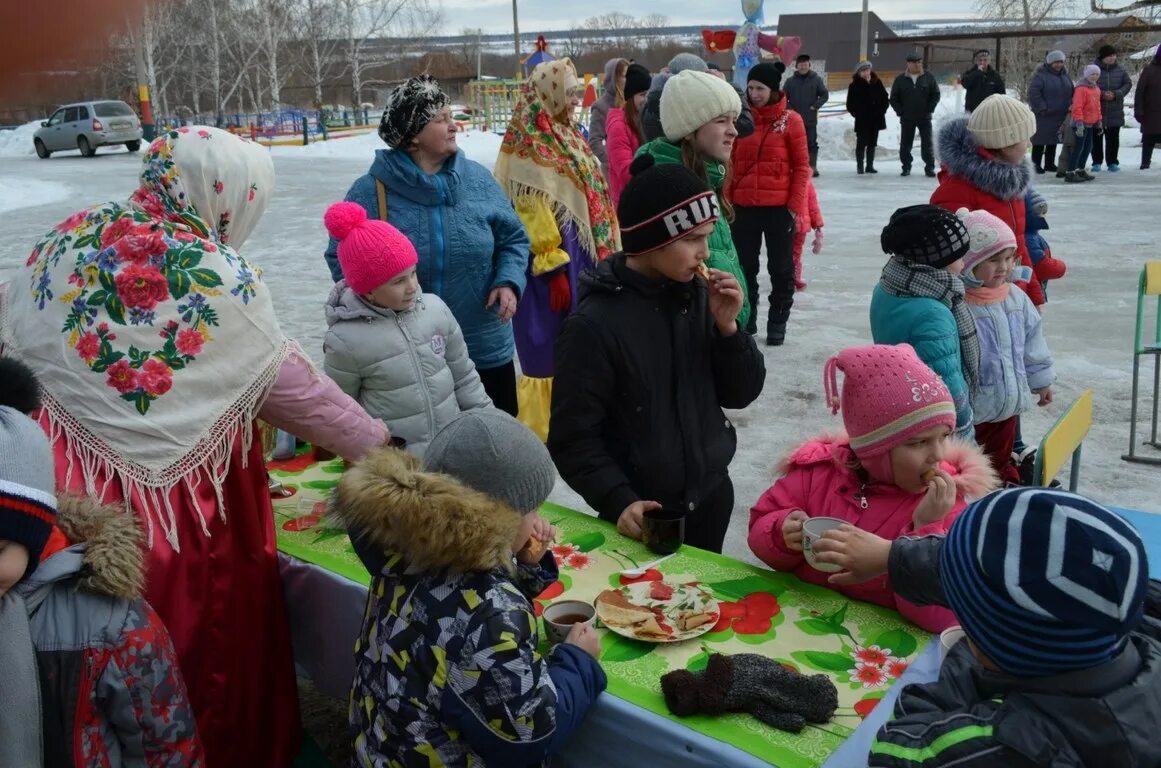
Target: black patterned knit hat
point(662, 203)
point(27, 478)
point(925, 234)
point(409, 108)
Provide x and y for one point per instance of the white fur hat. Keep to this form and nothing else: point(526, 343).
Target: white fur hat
point(1000, 121)
point(691, 99)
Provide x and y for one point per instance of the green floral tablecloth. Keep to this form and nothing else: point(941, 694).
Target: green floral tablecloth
point(863, 648)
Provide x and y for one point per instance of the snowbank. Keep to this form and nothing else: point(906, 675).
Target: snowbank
point(17, 192)
point(836, 135)
point(480, 146)
point(18, 142)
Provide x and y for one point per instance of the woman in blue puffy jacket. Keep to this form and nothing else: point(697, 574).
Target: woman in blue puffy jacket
point(473, 249)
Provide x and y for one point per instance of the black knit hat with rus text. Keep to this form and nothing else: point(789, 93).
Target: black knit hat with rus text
point(410, 107)
point(661, 204)
point(925, 234)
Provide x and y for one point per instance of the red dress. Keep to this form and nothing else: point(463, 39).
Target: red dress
point(221, 599)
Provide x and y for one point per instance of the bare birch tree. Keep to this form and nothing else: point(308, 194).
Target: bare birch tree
point(377, 32)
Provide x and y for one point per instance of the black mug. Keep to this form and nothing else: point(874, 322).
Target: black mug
point(663, 530)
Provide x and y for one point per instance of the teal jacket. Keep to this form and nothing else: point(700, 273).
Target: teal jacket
point(468, 237)
point(723, 255)
point(929, 327)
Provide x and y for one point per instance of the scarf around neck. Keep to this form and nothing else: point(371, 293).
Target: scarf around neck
point(546, 157)
point(920, 280)
point(20, 718)
point(154, 341)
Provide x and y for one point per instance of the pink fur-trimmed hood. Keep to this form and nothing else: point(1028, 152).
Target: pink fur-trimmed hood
point(965, 462)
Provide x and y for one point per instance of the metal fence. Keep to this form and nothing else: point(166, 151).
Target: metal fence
point(284, 126)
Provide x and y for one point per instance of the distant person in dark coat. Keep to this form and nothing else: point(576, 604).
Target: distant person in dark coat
point(807, 94)
point(914, 97)
point(981, 81)
point(867, 103)
point(1147, 108)
point(1049, 96)
point(1114, 84)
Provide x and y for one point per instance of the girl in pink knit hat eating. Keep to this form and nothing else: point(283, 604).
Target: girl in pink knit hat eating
point(895, 472)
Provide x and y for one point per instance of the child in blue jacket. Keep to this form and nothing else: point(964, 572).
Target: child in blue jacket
point(920, 301)
point(448, 670)
point(1044, 265)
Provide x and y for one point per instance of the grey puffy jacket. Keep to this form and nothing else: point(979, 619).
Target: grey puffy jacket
point(411, 369)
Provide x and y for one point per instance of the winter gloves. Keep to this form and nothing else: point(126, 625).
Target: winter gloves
point(559, 292)
point(1078, 129)
point(816, 248)
point(747, 682)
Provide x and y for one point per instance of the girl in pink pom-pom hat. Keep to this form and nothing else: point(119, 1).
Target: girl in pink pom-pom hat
point(895, 472)
point(395, 349)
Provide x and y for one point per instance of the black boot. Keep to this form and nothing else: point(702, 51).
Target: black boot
point(775, 335)
point(776, 322)
point(814, 164)
point(858, 164)
point(871, 159)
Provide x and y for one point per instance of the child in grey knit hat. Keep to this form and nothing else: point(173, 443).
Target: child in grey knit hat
point(447, 668)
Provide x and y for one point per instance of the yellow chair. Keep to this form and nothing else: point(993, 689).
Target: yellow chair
point(1148, 285)
point(1064, 440)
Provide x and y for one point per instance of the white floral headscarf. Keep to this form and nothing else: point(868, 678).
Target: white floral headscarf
point(155, 342)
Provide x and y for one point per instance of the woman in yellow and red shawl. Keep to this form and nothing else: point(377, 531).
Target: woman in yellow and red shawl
point(555, 181)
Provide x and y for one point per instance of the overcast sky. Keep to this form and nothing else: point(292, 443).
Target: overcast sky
point(496, 15)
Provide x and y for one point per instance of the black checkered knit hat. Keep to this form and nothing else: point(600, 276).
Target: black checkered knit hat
point(925, 234)
point(410, 107)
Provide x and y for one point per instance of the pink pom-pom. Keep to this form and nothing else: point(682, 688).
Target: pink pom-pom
point(341, 218)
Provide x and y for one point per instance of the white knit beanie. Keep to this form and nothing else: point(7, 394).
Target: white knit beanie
point(1000, 121)
point(691, 99)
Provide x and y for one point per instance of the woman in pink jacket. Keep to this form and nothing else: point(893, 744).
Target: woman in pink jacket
point(623, 134)
point(156, 346)
point(896, 472)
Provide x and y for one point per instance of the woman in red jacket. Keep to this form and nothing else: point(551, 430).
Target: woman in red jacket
point(985, 167)
point(768, 189)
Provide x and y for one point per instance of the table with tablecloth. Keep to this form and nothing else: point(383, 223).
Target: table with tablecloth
point(868, 651)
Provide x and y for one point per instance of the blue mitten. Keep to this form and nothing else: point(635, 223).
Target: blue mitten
point(1078, 129)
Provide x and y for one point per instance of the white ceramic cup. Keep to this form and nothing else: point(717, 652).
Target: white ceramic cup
point(556, 629)
point(948, 638)
point(811, 530)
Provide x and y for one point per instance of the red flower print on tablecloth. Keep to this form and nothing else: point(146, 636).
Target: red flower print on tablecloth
point(141, 286)
point(218, 186)
point(156, 378)
point(872, 655)
point(204, 134)
point(752, 615)
point(253, 191)
point(189, 341)
point(141, 243)
point(895, 667)
point(88, 347)
point(870, 675)
point(543, 122)
point(122, 377)
point(562, 551)
point(579, 561)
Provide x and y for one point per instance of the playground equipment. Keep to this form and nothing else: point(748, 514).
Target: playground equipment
point(1149, 284)
point(748, 41)
point(1064, 440)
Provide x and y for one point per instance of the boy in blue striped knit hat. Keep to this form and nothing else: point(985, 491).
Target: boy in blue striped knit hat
point(1061, 665)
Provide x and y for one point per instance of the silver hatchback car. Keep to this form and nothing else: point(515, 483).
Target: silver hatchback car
point(88, 125)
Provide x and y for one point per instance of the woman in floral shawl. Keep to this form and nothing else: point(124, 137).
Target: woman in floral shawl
point(157, 347)
point(546, 167)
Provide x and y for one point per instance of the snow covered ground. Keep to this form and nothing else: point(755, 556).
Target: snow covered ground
point(1105, 230)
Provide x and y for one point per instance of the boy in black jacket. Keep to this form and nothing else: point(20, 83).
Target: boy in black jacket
point(647, 362)
point(1061, 665)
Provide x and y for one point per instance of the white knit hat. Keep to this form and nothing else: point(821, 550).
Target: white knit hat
point(1000, 121)
point(691, 99)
